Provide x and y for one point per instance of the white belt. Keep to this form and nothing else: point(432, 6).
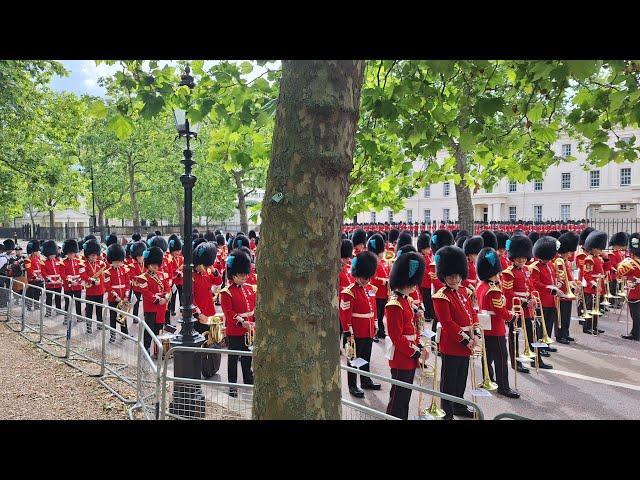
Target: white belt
point(246, 314)
point(466, 329)
point(524, 294)
point(391, 348)
point(362, 315)
point(118, 286)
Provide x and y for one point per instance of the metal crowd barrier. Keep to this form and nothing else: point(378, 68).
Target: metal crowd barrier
point(148, 377)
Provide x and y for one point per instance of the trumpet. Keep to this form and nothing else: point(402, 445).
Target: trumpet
point(249, 337)
point(126, 307)
point(215, 335)
point(487, 384)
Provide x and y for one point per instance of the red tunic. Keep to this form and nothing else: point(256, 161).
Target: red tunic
point(33, 265)
point(154, 287)
point(203, 285)
point(178, 261)
point(168, 266)
point(455, 312)
point(358, 310)
point(592, 268)
point(237, 300)
point(426, 279)
point(491, 299)
point(629, 269)
point(52, 270)
point(95, 286)
point(515, 283)
point(381, 280)
point(136, 269)
point(344, 277)
point(402, 333)
point(543, 275)
point(117, 283)
point(72, 275)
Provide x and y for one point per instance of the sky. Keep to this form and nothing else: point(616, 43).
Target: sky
point(84, 74)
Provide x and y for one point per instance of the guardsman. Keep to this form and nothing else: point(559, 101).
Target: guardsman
point(424, 248)
point(380, 281)
point(52, 271)
point(344, 277)
point(72, 266)
point(618, 243)
point(175, 249)
point(579, 259)
point(93, 279)
point(594, 276)
point(358, 315)
point(440, 238)
point(167, 267)
point(204, 285)
point(155, 291)
point(403, 239)
point(501, 239)
point(564, 274)
point(117, 281)
point(543, 280)
point(359, 239)
point(471, 248)
point(136, 268)
point(629, 271)
point(492, 301)
point(238, 303)
point(403, 346)
point(458, 319)
point(33, 266)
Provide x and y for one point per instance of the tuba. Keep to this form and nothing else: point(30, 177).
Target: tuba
point(389, 257)
point(215, 335)
point(126, 308)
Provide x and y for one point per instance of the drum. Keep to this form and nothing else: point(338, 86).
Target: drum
point(19, 284)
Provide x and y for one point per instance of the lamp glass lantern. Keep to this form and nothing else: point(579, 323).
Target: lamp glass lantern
point(184, 127)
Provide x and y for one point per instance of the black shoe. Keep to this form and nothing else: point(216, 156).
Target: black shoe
point(571, 339)
point(564, 341)
point(376, 339)
point(464, 413)
point(233, 392)
point(544, 353)
point(381, 336)
point(600, 331)
point(135, 320)
point(89, 330)
point(370, 386)
point(509, 393)
point(545, 366)
point(581, 322)
point(112, 339)
point(552, 349)
point(356, 392)
point(630, 337)
point(589, 331)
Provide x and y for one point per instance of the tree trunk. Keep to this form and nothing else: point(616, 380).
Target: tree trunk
point(33, 223)
point(297, 358)
point(242, 204)
point(463, 193)
point(135, 212)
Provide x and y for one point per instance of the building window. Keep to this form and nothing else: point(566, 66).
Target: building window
point(625, 177)
point(566, 150)
point(390, 216)
point(624, 206)
point(566, 181)
point(445, 189)
point(409, 215)
point(537, 185)
point(445, 214)
point(513, 214)
point(373, 217)
point(594, 179)
point(427, 191)
point(427, 215)
point(565, 212)
point(537, 213)
point(513, 186)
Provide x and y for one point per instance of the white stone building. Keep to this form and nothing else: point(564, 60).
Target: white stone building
point(567, 191)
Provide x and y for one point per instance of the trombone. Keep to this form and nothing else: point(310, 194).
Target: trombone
point(434, 410)
point(540, 317)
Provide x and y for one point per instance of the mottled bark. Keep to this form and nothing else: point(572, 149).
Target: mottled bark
point(463, 193)
point(296, 363)
point(242, 204)
point(52, 219)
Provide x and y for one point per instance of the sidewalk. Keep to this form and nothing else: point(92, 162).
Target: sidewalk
point(36, 386)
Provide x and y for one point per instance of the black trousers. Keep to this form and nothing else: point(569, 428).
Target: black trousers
point(634, 310)
point(174, 298)
point(136, 307)
point(58, 299)
point(34, 294)
point(613, 288)
point(565, 320)
point(497, 360)
point(236, 342)
point(150, 320)
point(590, 323)
point(454, 381)
point(380, 304)
point(399, 397)
point(113, 322)
point(529, 322)
point(73, 294)
point(428, 303)
point(363, 350)
point(89, 309)
point(550, 318)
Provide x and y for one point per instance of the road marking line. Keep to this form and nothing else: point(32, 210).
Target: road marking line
point(596, 380)
point(614, 355)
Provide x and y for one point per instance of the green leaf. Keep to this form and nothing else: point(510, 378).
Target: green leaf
point(98, 109)
point(581, 69)
point(152, 105)
point(535, 113)
point(197, 66)
point(121, 126)
point(467, 141)
point(600, 152)
point(489, 106)
point(246, 68)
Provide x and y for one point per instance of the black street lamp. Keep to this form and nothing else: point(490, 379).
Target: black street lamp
point(188, 400)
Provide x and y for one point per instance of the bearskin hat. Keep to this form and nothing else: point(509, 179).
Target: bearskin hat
point(449, 261)
point(394, 233)
point(70, 246)
point(34, 246)
point(369, 234)
point(343, 236)
point(220, 240)
point(634, 244)
point(89, 237)
point(238, 262)
point(620, 239)
point(501, 239)
point(424, 241)
point(460, 240)
point(209, 236)
point(136, 237)
point(205, 254)
point(533, 236)
point(252, 234)
point(159, 242)
point(455, 232)
point(359, 237)
point(584, 234)
point(51, 248)
point(554, 233)
point(197, 242)
point(364, 265)
point(407, 270)
point(488, 264)
point(568, 242)
point(111, 239)
point(137, 249)
point(115, 253)
point(150, 236)
point(375, 244)
point(461, 233)
point(517, 232)
point(153, 256)
point(346, 248)
point(563, 231)
point(127, 250)
point(441, 238)
point(405, 249)
point(545, 248)
point(596, 239)
point(91, 247)
point(240, 241)
point(218, 232)
point(473, 245)
point(9, 244)
point(174, 244)
point(519, 246)
point(403, 239)
point(490, 239)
